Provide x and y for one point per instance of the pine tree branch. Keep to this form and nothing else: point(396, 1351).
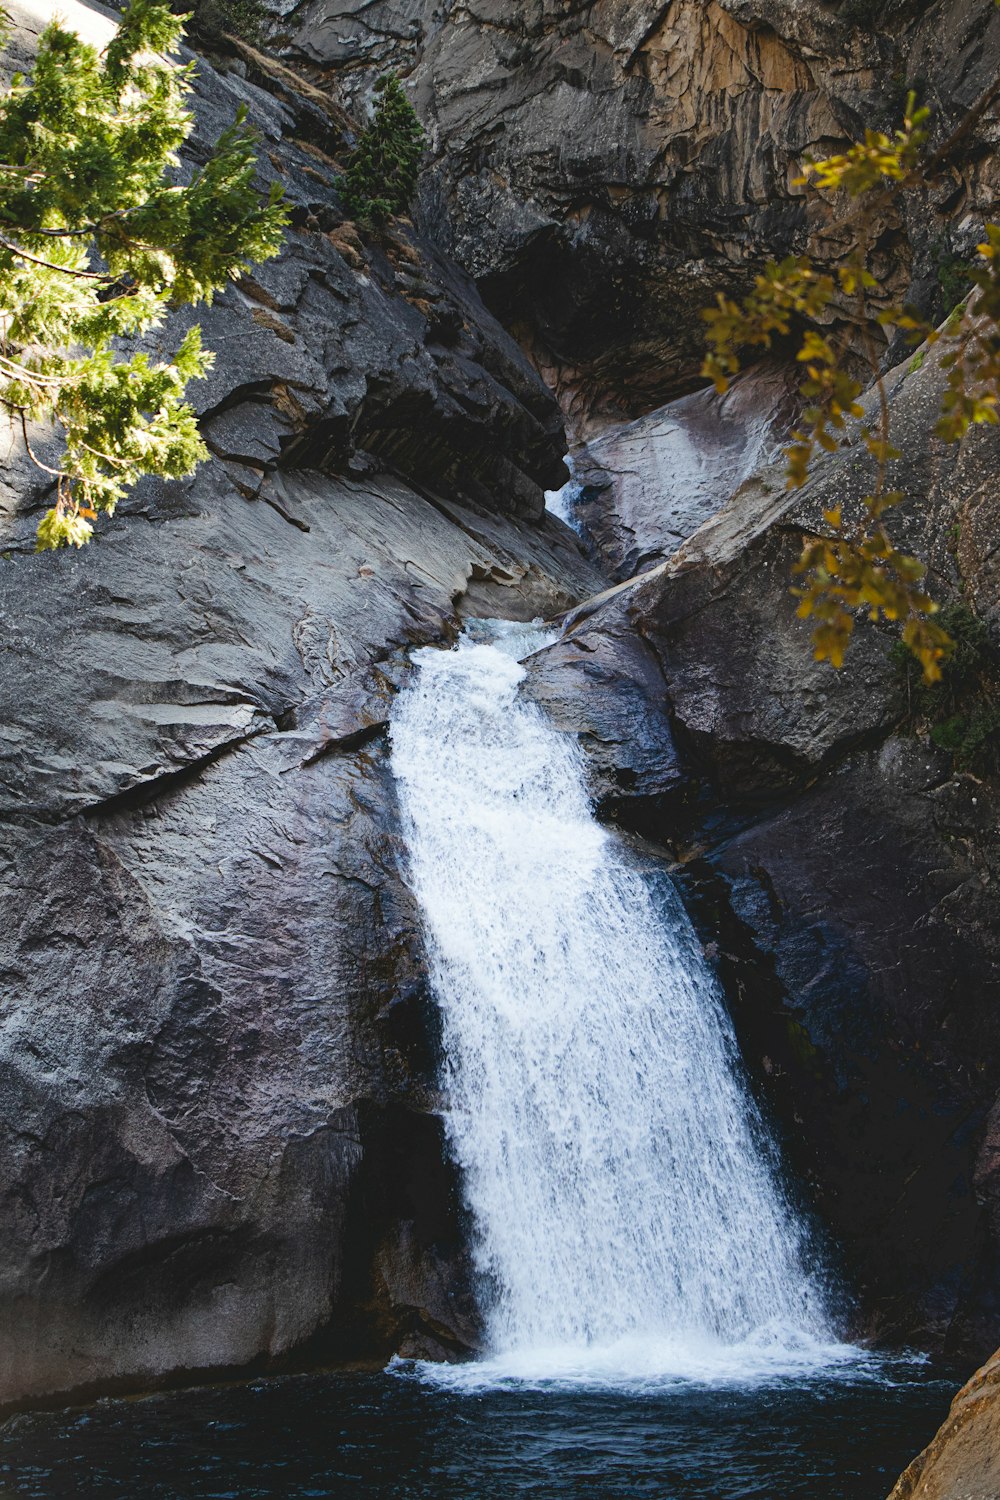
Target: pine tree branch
point(106, 219)
point(51, 266)
point(31, 452)
point(32, 377)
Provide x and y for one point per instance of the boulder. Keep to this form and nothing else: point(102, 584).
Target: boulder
point(606, 687)
point(643, 488)
point(962, 1461)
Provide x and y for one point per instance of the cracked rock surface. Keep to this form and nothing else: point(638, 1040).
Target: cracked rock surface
point(213, 977)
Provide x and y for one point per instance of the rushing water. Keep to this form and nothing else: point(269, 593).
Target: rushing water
point(561, 502)
point(628, 1219)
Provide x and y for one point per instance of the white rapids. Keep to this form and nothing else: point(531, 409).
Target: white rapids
point(628, 1218)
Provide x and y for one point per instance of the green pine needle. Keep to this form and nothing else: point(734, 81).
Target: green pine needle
point(97, 241)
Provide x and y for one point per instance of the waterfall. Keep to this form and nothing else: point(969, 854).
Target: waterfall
point(561, 502)
point(626, 1208)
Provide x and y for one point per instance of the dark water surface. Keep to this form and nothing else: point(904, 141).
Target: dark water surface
point(355, 1436)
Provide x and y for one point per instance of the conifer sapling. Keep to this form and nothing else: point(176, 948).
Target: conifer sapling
point(381, 174)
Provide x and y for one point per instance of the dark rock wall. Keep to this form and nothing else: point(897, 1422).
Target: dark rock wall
point(602, 168)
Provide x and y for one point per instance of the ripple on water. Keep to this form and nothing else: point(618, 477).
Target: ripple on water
point(841, 1435)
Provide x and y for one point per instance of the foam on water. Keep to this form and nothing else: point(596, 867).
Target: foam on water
point(629, 1223)
point(642, 1365)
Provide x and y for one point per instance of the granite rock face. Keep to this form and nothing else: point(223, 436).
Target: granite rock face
point(641, 489)
point(606, 687)
point(603, 168)
point(218, 1044)
point(218, 1138)
point(219, 1141)
point(350, 353)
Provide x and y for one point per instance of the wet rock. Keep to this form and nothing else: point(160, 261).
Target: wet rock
point(417, 1270)
point(606, 687)
point(644, 488)
point(860, 950)
point(962, 1461)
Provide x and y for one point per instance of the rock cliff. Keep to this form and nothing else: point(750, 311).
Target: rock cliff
point(845, 871)
point(602, 168)
point(217, 1052)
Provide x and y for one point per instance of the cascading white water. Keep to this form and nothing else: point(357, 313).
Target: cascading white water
point(627, 1217)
